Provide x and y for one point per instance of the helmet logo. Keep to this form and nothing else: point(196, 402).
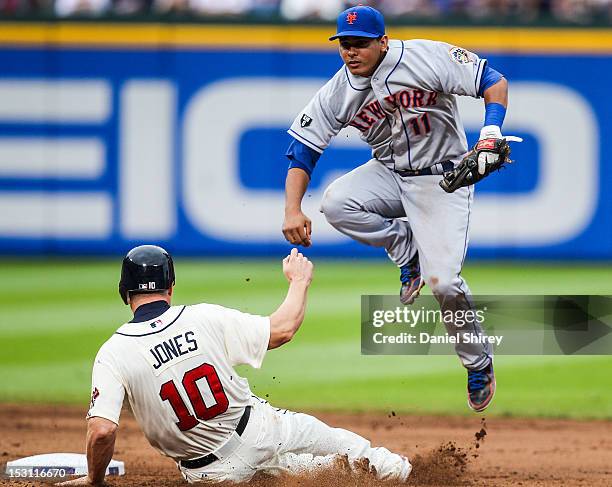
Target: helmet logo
point(351, 17)
point(146, 268)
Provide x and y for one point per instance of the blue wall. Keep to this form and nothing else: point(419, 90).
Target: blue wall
point(220, 157)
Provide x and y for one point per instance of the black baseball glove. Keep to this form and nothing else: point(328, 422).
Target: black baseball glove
point(488, 155)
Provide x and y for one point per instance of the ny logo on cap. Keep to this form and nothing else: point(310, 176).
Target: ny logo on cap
point(351, 17)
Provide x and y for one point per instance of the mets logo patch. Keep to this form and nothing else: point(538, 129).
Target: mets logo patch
point(305, 121)
point(351, 17)
point(461, 56)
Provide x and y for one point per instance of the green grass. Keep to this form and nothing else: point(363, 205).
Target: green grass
point(56, 314)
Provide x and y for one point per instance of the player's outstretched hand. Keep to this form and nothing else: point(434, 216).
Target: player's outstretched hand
point(297, 267)
point(297, 228)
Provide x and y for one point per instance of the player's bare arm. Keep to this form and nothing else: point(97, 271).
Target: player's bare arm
point(100, 444)
point(297, 227)
point(101, 434)
point(286, 320)
point(498, 93)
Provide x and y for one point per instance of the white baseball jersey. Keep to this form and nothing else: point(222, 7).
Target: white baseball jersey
point(406, 111)
point(177, 371)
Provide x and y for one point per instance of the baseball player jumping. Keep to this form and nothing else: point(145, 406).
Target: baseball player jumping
point(176, 365)
point(414, 197)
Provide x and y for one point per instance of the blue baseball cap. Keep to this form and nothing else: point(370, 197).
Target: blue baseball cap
point(360, 21)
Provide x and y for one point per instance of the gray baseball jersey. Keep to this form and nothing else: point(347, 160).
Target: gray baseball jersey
point(406, 111)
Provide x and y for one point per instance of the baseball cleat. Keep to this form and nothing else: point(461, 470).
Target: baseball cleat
point(481, 388)
point(412, 282)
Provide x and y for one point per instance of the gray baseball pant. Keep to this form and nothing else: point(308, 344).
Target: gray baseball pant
point(376, 206)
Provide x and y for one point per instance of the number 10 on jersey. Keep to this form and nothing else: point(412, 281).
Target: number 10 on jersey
point(169, 392)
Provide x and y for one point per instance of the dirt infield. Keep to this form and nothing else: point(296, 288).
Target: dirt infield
point(450, 451)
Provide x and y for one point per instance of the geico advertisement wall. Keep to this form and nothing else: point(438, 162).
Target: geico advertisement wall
point(115, 134)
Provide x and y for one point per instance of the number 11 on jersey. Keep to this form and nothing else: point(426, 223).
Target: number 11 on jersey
point(420, 125)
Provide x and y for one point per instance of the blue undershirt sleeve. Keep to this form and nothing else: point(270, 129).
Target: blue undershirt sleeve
point(489, 78)
point(302, 156)
point(494, 114)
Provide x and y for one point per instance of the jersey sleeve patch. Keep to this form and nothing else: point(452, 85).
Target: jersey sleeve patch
point(461, 56)
point(305, 121)
point(107, 392)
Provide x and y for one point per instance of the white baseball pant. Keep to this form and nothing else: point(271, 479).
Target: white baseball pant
point(278, 440)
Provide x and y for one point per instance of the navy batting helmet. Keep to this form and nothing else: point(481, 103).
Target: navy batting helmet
point(146, 269)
